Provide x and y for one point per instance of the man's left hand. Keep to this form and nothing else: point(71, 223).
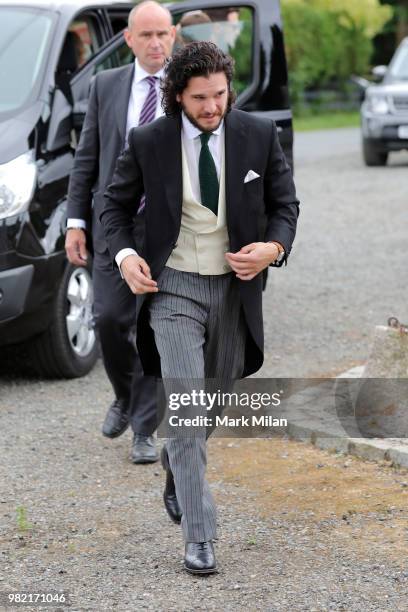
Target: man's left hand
point(252, 259)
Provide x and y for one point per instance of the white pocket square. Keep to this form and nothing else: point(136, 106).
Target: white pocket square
point(251, 175)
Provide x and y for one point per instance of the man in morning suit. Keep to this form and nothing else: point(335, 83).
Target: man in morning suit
point(120, 99)
point(220, 208)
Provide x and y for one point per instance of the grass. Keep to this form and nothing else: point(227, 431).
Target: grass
point(22, 522)
point(326, 121)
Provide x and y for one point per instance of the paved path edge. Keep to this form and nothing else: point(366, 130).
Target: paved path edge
point(375, 449)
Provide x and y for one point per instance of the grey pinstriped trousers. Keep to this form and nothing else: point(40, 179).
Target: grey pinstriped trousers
point(200, 333)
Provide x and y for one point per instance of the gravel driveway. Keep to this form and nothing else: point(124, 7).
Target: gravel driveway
point(301, 529)
point(348, 269)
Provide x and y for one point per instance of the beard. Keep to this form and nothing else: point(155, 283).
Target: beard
point(197, 124)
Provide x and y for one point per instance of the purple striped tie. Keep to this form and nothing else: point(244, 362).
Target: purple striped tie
point(147, 115)
point(149, 107)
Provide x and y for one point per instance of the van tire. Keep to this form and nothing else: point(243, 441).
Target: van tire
point(56, 353)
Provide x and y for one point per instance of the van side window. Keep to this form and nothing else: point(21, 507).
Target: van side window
point(118, 19)
point(120, 56)
point(81, 42)
point(230, 28)
point(85, 37)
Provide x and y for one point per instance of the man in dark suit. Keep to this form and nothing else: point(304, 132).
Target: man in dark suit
point(220, 208)
point(120, 99)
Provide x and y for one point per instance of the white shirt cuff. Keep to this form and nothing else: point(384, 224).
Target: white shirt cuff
point(76, 224)
point(123, 253)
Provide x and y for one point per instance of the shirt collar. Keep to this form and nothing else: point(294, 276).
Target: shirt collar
point(140, 73)
point(191, 131)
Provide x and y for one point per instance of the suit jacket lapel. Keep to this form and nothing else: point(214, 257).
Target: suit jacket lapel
point(235, 164)
point(122, 96)
point(168, 149)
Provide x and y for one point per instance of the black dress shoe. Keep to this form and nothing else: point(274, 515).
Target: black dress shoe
point(200, 558)
point(144, 449)
point(117, 419)
point(169, 496)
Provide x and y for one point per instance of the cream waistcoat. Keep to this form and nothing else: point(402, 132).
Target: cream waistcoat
point(203, 239)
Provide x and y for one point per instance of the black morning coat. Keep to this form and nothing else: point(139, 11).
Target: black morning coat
point(260, 210)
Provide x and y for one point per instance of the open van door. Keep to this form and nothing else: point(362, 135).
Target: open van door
point(251, 32)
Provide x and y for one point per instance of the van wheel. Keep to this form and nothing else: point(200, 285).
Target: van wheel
point(373, 158)
point(68, 349)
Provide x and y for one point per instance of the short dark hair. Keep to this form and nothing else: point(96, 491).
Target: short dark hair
point(195, 59)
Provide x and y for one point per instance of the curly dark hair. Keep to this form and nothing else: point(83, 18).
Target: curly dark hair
point(193, 60)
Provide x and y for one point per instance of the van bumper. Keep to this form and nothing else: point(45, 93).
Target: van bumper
point(14, 288)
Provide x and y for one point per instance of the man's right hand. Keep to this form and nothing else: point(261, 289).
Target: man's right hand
point(136, 273)
point(75, 246)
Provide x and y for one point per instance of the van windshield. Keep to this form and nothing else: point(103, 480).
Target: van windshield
point(24, 38)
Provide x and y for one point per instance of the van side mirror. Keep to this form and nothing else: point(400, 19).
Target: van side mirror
point(59, 130)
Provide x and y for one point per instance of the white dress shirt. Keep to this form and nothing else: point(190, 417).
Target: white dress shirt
point(190, 136)
point(138, 93)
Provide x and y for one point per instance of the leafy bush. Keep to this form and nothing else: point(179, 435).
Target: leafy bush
point(327, 42)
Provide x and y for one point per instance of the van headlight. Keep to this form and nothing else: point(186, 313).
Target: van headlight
point(378, 105)
point(18, 178)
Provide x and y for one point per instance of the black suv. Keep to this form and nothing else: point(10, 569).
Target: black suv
point(49, 53)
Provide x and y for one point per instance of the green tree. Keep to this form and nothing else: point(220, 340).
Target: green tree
point(368, 16)
point(329, 40)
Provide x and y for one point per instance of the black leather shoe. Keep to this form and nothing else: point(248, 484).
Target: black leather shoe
point(200, 558)
point(144, 449)
point(117, 419)
point(169, 496)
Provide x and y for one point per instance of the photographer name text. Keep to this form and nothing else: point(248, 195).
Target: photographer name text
point(226, 421)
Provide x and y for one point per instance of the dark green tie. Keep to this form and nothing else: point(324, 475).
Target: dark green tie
point(207, 173)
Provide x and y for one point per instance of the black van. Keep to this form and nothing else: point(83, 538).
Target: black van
point(49, 52)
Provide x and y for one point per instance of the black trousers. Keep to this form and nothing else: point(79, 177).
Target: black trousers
point(114, 312)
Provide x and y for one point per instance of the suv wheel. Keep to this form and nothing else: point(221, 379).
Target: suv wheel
point(68, 348)
point(372, 157)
